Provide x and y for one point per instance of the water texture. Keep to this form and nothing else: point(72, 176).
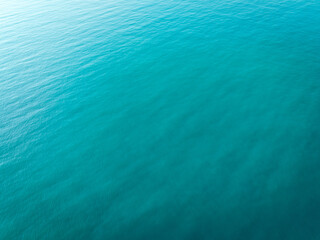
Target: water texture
point(178, 119)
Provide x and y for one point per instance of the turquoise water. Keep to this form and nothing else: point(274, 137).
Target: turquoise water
point(160, 119)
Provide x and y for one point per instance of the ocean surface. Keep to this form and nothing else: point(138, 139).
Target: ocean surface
point(144, 119)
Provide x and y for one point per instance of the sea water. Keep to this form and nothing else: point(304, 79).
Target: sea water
point(177, 119)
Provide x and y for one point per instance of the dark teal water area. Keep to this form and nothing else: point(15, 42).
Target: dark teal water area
point(178, 119)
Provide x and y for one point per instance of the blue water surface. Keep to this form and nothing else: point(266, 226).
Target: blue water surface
point(144, 119)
